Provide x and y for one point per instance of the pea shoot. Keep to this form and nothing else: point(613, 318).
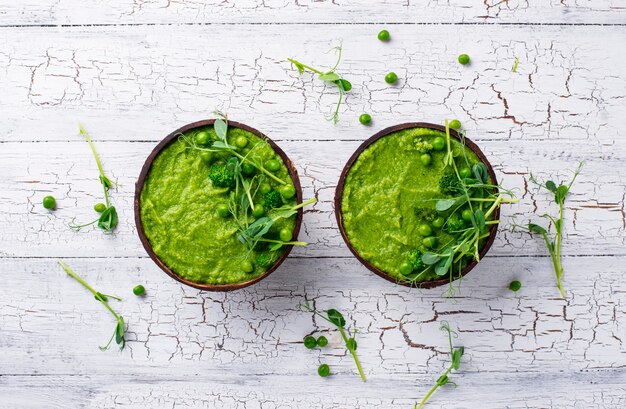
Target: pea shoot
point(108, 217)
point(514, 69)
point(456, 355)
point(245, 186)
point(468, 206)
point(554, 242)
point(118, 334)
point(329, 77)
point(336, 318)
point(49, 202)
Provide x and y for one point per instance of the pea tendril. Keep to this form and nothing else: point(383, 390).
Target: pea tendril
point(329, 77)
point(456, 355)
point(108, 219)
point(118, 334)
point(554, 243)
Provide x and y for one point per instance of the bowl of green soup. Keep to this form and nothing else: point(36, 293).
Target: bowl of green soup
point(218, 205)
point(401, 207)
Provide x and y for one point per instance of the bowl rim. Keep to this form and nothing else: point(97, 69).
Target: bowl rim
point(339, 196)
point(293, 173)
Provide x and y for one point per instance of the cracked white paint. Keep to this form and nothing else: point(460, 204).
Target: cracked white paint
point(131, 85)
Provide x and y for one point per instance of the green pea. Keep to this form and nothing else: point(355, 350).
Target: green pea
point(272, 165)
point(464, 59)
point(258, 210)
point(202, 138)
point(139, 290)
point(285, 234)
point(323, 370)
point(425, 158)
point(322, 341)
point(247, 168)
point(391, 78)
point(265, 188)
point(515, 285)
point(406, 268)
point(425, 230)
point(464, 173)
point(99, 207)
point(288, 191)
point(207, 157)
point(438, 222)
point(247, 266)
point(455, 124)
point(223, 210)
point(49, 202)
point(384, 36)
point(439, 143)
point(241, 142)
point(430, 241)
point(310, 342)
point(365, 119)
point(466, 215)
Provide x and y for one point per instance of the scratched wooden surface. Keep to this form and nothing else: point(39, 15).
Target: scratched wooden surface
point(133, 71)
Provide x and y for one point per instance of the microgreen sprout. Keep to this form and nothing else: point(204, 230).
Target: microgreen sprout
point(456, 355)
point(473, 199)
point(108, 219)
point(118, 334)
point(515, 65)
point(241, 205)
point(554, 242)
point(329, 77)
point(336, 318)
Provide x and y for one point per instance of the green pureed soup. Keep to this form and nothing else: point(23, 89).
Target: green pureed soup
point(389, 196)
point(185, 214)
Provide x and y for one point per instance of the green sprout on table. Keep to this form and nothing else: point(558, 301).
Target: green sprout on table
point(108, 219)
point(554, 242)
point(118, 334)
point(336, 318)
point(456, 355)
point(329, 77)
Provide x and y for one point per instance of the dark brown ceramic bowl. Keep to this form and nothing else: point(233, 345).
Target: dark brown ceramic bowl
point(144, 173)
point(339, 196)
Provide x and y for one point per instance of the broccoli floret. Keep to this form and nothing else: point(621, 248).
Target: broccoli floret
point(422, 146)
point(221, 176)
point(273, 199)
point(455, 223)
point(449, 184)
point(264, 260)
point(415, 259)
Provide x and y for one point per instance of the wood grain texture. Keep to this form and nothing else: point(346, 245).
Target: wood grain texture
point(132, 83)
point(37, 12)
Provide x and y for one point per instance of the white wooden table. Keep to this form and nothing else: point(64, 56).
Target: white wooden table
point(134, 70)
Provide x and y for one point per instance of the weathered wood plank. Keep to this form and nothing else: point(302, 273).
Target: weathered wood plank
point(33, 12)
point(51, 325)
point(140, 83)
